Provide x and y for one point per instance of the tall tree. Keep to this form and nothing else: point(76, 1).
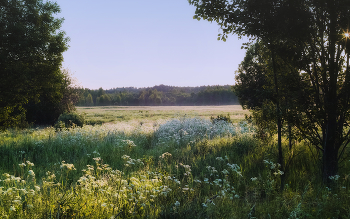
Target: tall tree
point(313, 34)
point(89, 101)
point(31, 47)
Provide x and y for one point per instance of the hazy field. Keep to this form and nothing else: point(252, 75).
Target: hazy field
point(146, 114)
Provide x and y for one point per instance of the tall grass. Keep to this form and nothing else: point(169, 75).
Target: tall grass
point(183, 168)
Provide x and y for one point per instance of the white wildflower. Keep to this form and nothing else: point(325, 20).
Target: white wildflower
point(31, 173)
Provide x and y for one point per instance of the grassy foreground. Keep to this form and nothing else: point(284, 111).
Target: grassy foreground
point(182, 167)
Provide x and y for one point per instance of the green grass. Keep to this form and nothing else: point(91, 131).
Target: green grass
point(111, 114)
point(166, 168)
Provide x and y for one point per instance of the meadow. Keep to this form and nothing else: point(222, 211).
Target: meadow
point(132, 114)
point(162, 162)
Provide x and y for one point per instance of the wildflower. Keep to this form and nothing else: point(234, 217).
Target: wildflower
point(97, 159)
point(67, 165)
point(125, 157)
point(253, 179)
point(37, 188)
point(210, 201)
point(22, 190)
point(165, 155)
point(104, 205)
point(335, 177)
point(82, 179)
point(31, 192)
point(12, 208)
point(177, 203)
point(225, 172)
point(22, 164)
point(31, 173)
point(177, 181)
point(220, 159)
point(204, 205)
point(233, 167)
point(129, 143)
point(279, 172)
point(29, 163)
point(17, 201)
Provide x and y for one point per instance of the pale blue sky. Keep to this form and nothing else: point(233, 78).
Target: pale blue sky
point(123, 43)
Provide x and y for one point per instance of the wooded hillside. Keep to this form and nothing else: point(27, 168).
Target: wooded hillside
point(158, 95)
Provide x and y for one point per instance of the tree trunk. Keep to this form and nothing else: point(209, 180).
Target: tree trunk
point(290, 136)
point(331, 135)
point(330, 163)
point(279, 119)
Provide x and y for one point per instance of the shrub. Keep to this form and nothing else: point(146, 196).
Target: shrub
point(68, 120)
point(221, 118)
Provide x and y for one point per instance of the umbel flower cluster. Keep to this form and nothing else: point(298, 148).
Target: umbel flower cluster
point(184, 130)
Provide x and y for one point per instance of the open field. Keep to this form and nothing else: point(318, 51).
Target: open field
point(167, 165)
point(99, 115)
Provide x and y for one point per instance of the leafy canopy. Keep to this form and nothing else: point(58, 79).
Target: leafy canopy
point(31, 47)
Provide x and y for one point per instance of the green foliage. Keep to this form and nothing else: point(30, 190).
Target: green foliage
point(69, 120)
point(30, 57)
point(307, 50)
point(221, 117)
point(160, 96)
point(53, 101)
point(89, 101)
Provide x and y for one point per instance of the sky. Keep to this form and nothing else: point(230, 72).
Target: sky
point(138, 43)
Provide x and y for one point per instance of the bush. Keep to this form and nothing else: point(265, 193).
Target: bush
point(68, 120)
point(221, 118)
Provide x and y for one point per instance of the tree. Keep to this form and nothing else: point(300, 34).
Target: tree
point(312, 32)
point(53, 101)
point(88, 100)
point(31, 47)
point(255, 91)
point(100, 92)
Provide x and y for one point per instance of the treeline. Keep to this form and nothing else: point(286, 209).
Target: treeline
point(161, 95)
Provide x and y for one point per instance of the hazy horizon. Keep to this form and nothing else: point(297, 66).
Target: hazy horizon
point(156, 86)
